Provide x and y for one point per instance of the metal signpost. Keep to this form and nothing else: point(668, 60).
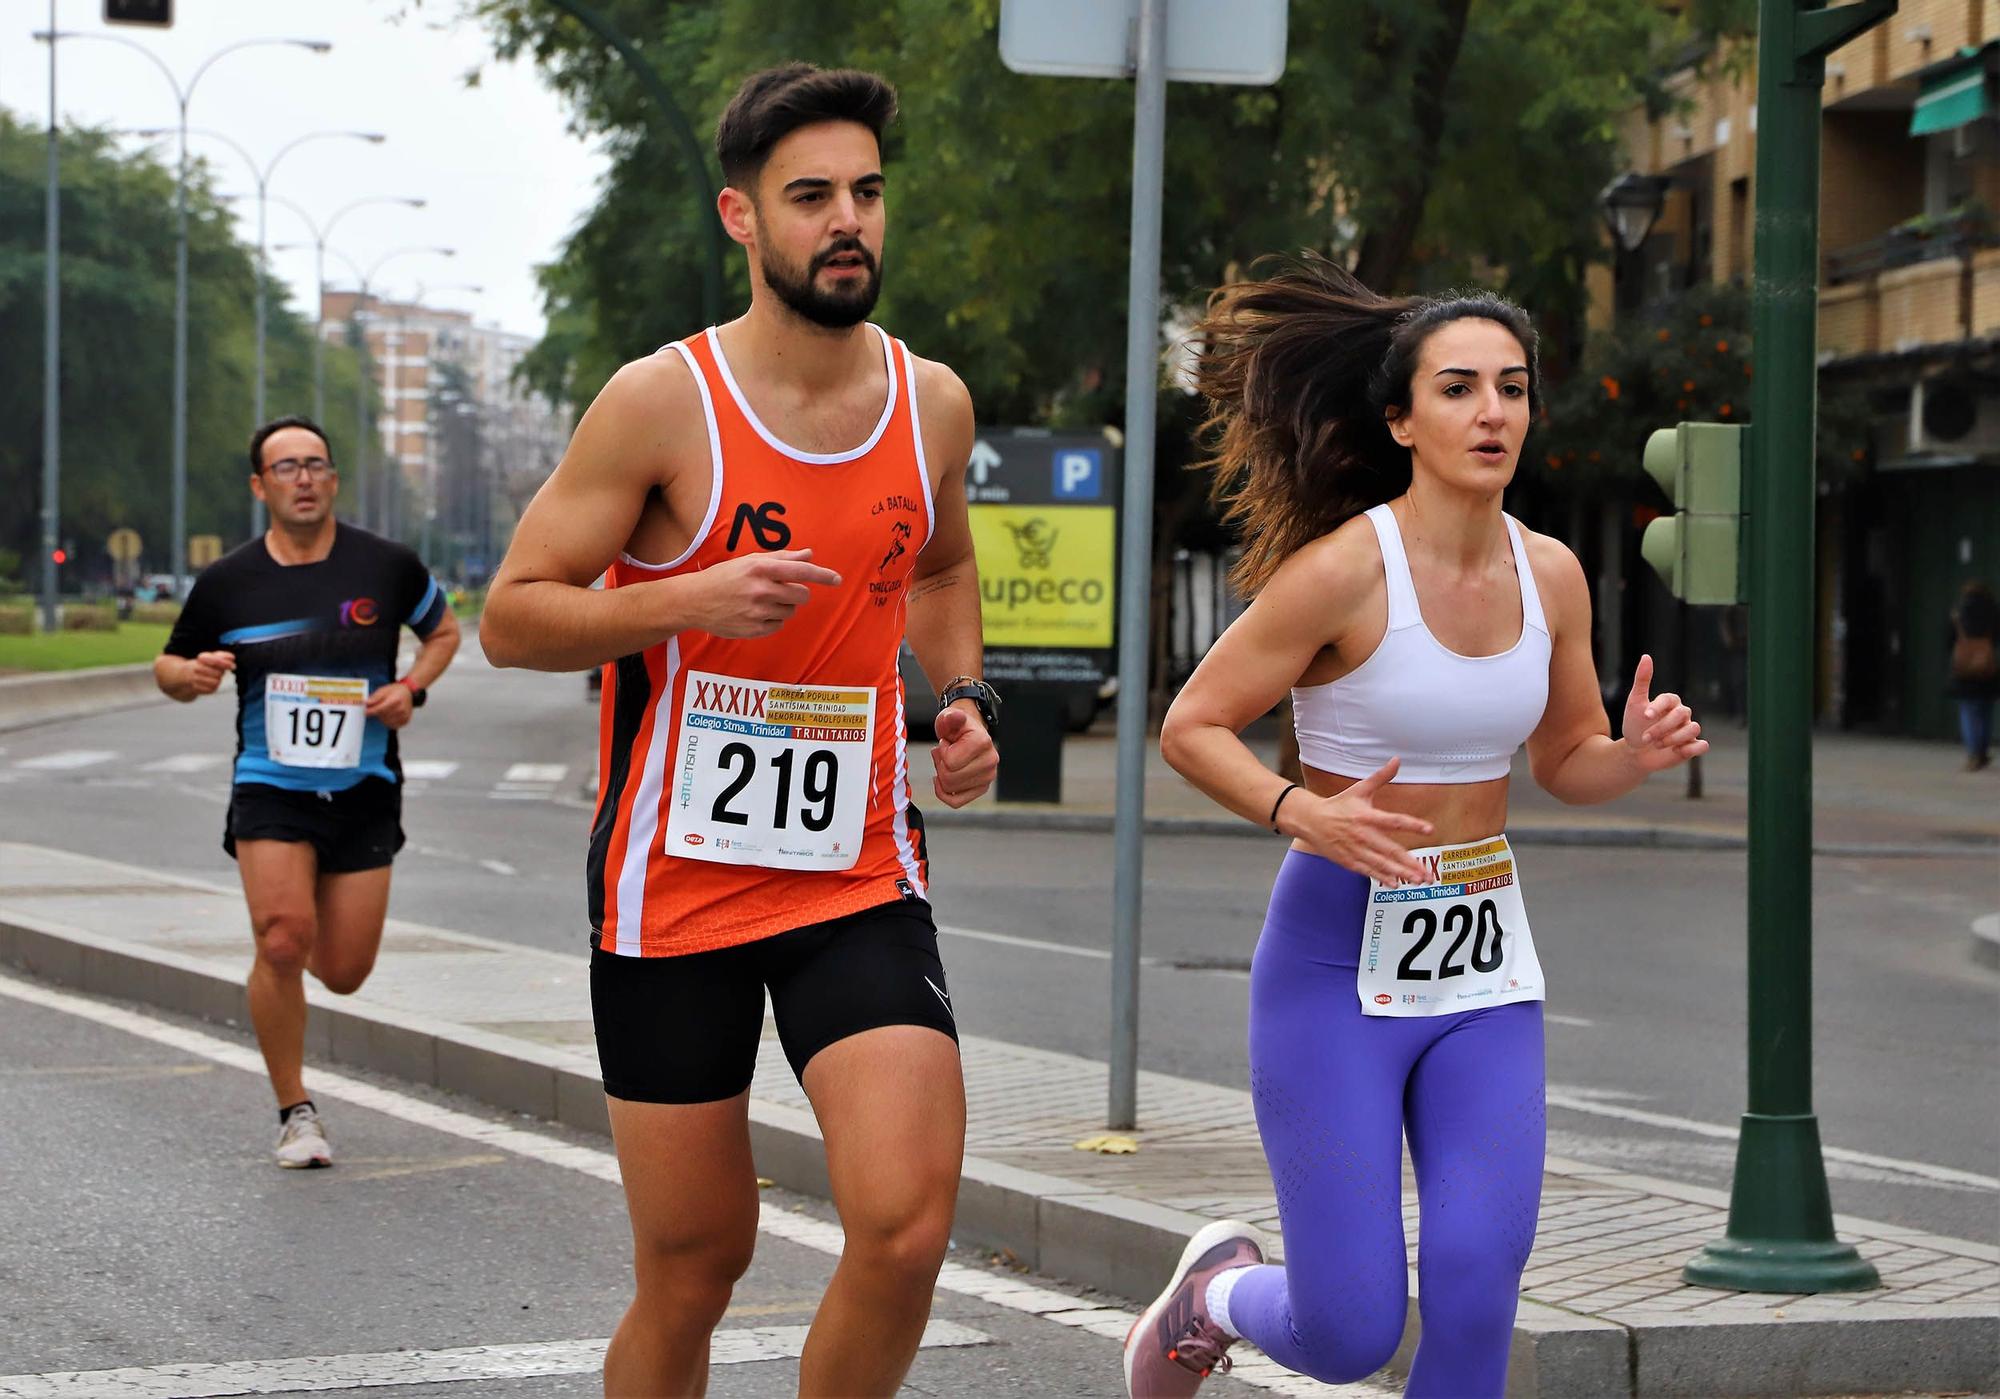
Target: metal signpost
point(1151, 41)
point(1045, 525)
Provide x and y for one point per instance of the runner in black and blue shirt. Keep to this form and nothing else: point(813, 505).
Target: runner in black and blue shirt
point(308, 617)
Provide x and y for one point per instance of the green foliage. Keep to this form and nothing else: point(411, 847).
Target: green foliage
point(117, 308)
point(1690, 363)
point(1010, 195)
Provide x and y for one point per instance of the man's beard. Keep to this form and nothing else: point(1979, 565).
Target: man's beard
point(838, 309)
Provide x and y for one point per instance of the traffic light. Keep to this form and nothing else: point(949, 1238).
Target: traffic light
point(1700, 466)
point(157, 13)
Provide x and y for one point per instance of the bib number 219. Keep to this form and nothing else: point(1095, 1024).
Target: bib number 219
point(818, 783)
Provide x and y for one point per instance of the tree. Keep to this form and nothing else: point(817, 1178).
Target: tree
point(1435, 142)
point(117, 291)
point(1689, 361)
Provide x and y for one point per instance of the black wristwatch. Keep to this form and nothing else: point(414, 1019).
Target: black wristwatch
point(983, 696)
point(417, 694)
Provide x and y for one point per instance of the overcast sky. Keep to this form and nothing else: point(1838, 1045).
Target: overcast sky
point(504, 178)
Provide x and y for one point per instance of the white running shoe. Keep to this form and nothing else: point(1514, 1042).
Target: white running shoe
point(302, 1140)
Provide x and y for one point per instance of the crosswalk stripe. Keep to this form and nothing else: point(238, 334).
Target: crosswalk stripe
point(550, 773)
point(71, 758)
point(186, 762)
point(428, 769)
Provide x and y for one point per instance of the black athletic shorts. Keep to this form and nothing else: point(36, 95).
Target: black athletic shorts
point(685, 1029)
point(359, 828)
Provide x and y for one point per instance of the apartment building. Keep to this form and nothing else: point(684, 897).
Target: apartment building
point(1909, 320)
point(433, 363)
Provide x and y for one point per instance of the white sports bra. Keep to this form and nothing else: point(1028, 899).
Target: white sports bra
point(1450, 718)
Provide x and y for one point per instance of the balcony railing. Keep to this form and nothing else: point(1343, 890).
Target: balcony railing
point(1954, 235)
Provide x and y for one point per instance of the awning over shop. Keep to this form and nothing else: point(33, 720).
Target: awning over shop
point(1960, 93)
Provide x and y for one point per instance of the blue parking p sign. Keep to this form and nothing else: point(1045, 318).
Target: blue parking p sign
point(1079, 473)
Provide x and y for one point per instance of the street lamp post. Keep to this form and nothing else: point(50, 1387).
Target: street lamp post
point(51, 359)
point(363, 282)
point(183, 95)
point(430, 461)
point(321, 233)
point(261, 176)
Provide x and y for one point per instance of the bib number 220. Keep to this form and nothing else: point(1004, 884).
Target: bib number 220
point(1460, 923)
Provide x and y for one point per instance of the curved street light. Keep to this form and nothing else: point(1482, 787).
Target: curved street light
point(261, 176)
point(183, 95)
point(430, 462)
point(320, 234)
point(364, 281)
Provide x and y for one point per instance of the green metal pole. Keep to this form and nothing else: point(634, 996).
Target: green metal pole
point(1780, 1236)
point(705, 185)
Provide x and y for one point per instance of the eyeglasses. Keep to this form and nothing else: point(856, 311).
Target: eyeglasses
point(318, 468)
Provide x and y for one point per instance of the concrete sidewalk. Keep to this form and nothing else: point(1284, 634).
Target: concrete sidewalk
point(1603, 1312)
point(1871, 796)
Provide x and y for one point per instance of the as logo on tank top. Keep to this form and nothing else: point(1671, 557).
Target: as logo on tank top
point(766, 522)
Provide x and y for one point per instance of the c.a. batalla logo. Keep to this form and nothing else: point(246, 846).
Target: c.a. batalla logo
point(1383, 998)
point(359, 612)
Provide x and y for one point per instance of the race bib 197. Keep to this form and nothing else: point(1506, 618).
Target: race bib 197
point(1457, 943)
point(770, 774)
point(315, 721)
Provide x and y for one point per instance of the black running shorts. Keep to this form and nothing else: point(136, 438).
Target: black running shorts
point(357, 828)
point(685, 1029)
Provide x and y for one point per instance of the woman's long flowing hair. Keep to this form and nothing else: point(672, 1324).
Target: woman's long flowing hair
point(1298, 369)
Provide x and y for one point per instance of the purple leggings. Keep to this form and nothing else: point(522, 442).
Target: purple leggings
point(1335, 1093)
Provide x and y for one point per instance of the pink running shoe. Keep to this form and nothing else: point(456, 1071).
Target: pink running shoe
point(1173, 1346)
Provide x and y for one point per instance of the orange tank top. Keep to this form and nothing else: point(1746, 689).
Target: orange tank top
point(747, 787)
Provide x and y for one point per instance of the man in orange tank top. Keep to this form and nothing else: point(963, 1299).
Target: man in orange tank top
point(775, 504)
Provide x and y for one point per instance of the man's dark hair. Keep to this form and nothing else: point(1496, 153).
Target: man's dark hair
point(778, 101)
point(258, 437)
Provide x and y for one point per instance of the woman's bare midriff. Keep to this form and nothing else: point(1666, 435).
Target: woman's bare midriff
point(1459, 811)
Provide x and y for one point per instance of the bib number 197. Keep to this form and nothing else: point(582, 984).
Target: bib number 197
point(314, 721)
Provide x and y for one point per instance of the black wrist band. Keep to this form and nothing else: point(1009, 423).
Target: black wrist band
point(1273, 822)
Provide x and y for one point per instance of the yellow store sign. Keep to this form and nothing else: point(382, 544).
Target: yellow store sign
point(1046, 574)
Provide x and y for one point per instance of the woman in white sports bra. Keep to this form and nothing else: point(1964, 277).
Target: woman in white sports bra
point(1361, 444)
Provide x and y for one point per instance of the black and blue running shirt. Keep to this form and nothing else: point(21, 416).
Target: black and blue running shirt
point(338, 617)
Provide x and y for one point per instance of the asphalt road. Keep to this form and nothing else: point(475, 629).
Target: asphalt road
point(147, 1230)
point(1644, 948)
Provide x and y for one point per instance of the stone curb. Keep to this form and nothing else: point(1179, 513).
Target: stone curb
point(1042, 818)
point(74, 694)
point(1056, 1226)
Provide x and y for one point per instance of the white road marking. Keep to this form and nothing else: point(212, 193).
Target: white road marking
point(319, 1373)
point(547, 773)
point(997, 1289)
point(1922, 1170)
point(70, 758)
point(1555, 1019)
point(186, 762)
point(427, 769)
point(1096, 954)
point(498, 867)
